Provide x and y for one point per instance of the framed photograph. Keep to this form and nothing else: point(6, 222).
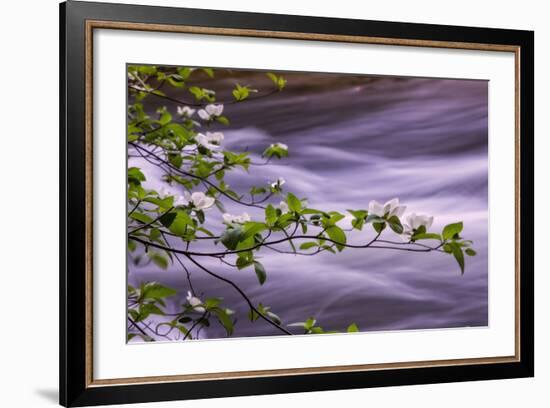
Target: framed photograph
point(256, 204)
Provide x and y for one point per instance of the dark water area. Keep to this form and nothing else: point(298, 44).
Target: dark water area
point(353, 139)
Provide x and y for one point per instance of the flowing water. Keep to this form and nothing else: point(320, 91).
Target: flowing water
point(353, 139)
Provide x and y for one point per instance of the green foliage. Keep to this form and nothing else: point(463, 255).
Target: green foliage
point(203, 94)
point(427, 235)
point(457, 253)
point(135, 176)
point(270, 215)
point(260, 272)
point(173, 229)
point(159, 259)
point(294, 204)
point(452, 230)
point(309, 245)
point(338, 235)
point(352, 328)
point(395, 224)
point(359, 218)
point(156, 291)
point(278, 80)
point(240, 93)
point(231, 237)
point(275, 150)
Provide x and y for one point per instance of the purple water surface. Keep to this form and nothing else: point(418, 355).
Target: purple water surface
point(351, 140)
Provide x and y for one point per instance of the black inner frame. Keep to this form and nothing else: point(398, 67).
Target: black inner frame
point(73, 391)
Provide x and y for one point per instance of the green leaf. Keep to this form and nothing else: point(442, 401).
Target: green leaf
point(260, 272)
point(358, 223)
point(470, 252)
point(225, 321)
point(154, 290)
point(279, 81)
point(273, 77)
point(223, 120)
point(352, 328)
point(143, 218)
point(165, 118)
point(379, 226)
point(147, 69)
point(359, 213)
point(308, 245)
point(336, 234)
point(147, 309)
point(329, 249)
point(252, 228)
point(175, 159)
point(270, 215)
point(167, 219)
point(375, 219)
point(197, 92)
point(309, 323)
point(231, 237)
point(274, 317)
point(252, 315)
point(395, 224)
point(164, 203)
point(315, 212)
point(180, 223)
point(200, 215)
point(184, 72)
point(240, 93)
point(211, 302)
point(257, 190)
point(209, 72)
point(244, 260)
point(135, 176)
point(294, 204)
point(459, 256)
point(427, 235)
point(176, 81)
point(158, 259)
point(335, 216)
point(451, 230)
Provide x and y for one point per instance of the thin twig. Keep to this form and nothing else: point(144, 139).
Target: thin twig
point(244, 295)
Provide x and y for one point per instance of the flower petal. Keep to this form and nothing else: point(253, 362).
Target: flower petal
point(376, 208)
point(390, 205)
point(399, 210)
point(204, 115)
point(429, 222)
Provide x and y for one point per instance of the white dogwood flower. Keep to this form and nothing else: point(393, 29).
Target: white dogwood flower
point(164, 192)
point(210, 111)
point(391, 208)
point(180, 200)
point(186, 111)
point(199, 200)
point(279, 145)
point(195, 302)
point(235, 219)
point(210, 140)
point(215, 137)
point(278, 183)
point(413, 222)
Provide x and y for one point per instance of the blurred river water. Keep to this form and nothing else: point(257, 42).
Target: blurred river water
point(353, 139)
